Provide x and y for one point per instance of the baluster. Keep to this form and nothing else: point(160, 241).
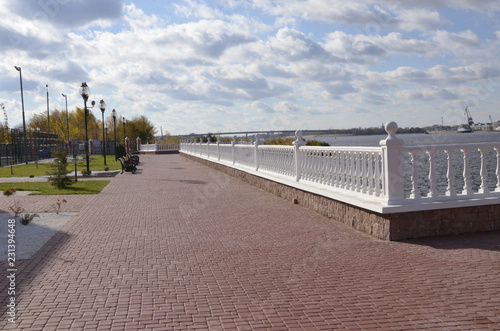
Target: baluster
point(450, 190)
point(369, 174)
point(358, 173)
point(341, 169)
point(484, 172)
point(324, 166)
point(351, 171)
point(364, 179)
point(415, 190)
point(347, 169)
point(336, 171)
point(329, 169)
point(432, 174)
point(323, 169)
point(379, 184)
point(466, 173)
point(497, 189)
point(314, 166)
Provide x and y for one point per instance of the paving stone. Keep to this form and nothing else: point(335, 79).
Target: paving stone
point(179, 245)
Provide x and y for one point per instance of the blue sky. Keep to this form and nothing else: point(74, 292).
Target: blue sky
point(225, 65)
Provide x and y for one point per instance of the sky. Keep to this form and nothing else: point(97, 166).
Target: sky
point(193, 66)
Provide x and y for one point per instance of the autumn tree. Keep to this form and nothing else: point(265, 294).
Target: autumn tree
point(139, 126)
point(58, 124)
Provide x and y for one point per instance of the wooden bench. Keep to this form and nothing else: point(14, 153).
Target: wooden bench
point(127, 165)
point(133, 158)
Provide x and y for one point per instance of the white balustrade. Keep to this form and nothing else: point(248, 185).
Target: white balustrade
point(392, 174)
point(456, 177)
point(159, 147)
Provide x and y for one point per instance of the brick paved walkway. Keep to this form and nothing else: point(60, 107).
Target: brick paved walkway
point(179, 246)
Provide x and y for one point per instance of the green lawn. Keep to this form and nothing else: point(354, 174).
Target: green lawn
point(26, 170)
point(46, 188)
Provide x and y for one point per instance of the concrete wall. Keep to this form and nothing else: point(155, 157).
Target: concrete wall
point(395, 226)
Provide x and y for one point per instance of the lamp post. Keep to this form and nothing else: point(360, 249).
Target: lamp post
point(84, 92)
point(48, 113)
point(67, 120)
point(113, 113)
point(102, 106)
point(22, 106)
point(124, 121)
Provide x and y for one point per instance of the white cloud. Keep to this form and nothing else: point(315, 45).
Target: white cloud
point(201, 65)
point(67, 14)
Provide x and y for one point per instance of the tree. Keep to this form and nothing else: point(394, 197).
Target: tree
point(5, 135)
point(140, 127)
point(59, 171)
point(137, 127)
point(76, 124)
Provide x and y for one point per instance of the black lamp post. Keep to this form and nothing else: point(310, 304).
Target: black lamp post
point(48, 113)
point(84, 91)
point(113, 113)
point(102, 106)
point(22, 105)
point(67, 120)
point(124, 121)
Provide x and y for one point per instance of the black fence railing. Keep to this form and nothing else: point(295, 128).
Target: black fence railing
point(40, 145)
point(37, 146)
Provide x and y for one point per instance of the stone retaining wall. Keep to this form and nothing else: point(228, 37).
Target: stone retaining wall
point(394, 226)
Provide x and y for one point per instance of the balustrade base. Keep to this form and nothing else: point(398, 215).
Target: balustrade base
point(390, 226)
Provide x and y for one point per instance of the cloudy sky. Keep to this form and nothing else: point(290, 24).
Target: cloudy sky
point(226, 65)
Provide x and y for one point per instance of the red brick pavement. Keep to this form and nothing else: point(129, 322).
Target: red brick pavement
point(179, 246)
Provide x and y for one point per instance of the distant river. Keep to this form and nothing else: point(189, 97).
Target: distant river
point(413, 139)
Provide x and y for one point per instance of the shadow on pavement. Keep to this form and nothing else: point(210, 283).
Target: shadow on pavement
point(481, 240)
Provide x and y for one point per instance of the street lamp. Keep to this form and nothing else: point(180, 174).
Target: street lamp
point(22, 105)
point(84, 92)
point(67, 120)
point(102, 106)
point(113, 113)
point(48, 113)
point(124, 121)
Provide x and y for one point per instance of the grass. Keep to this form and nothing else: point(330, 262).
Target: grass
point(26, 170)
point(46, 188)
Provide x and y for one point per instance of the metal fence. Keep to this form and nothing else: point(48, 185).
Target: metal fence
point(38, 146)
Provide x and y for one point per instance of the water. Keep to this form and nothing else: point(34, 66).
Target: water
point(440, 158)
point(413, 139)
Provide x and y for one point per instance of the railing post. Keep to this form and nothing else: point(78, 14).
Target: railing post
point(138, 142)
point(233, 142)
point(127, 145)
point(297, 157)
point(256, 151)
point(218, 148)
point(392, 161)
point(156, 145)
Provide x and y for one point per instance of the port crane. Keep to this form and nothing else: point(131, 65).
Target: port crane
point(469, 117)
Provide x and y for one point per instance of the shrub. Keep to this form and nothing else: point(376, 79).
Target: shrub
point(27, 218)
point(316, 143)
point(16, 208)
point(106, 168)
point(9, 191)
point(59, 171)
point(279, 141)
point(58, 205)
